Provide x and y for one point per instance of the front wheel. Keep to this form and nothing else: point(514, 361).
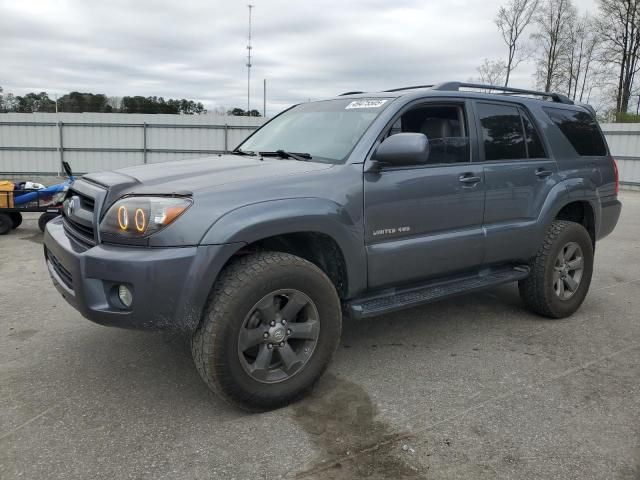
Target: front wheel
point(560, 272)
point(269, 330)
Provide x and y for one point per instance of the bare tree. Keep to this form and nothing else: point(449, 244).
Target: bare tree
point(579, 66)
point(554, 21)
point(492, 72)
point(577, 33)
point(512, 20)
point(619, 28)
point(115, 103)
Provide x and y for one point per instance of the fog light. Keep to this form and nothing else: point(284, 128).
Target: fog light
point(125, 295)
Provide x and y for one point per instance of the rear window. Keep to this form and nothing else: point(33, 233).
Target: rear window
point(581, 129)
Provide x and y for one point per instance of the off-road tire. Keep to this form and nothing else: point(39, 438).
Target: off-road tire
point(241, 285)
point(537, 290)
point(46, 218)
point(5, 224)
point(16, 219)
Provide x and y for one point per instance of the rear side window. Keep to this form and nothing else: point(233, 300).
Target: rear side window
point(581, 130)
point(534, 145)
point(502, 132)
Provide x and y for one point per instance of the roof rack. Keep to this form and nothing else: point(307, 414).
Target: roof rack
point(407, 88)
point(456, 86)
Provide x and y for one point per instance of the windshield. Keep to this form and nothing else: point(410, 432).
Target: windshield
point(327, 130)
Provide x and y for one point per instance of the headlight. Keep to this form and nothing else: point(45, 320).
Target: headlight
point(138, 217)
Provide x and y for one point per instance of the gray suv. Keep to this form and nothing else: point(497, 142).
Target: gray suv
point(355, 206)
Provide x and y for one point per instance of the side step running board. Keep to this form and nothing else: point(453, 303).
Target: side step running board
point(397, 299)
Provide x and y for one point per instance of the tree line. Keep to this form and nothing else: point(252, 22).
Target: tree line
point(89, 102)
point(78, 102)
point(577, 55)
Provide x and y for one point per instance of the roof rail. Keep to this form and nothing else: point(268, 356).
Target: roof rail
point(407, 88)
point(348, 93)
point(456, 86)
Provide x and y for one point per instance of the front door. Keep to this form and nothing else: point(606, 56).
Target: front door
point(425, 221)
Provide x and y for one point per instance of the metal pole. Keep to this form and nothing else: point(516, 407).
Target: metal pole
point(249, 65)
point(144, 141)
point(264, 99)
point(60, 135)
point(60, 146)
point(226, 138)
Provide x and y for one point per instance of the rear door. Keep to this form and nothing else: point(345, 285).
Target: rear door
point(518, 175)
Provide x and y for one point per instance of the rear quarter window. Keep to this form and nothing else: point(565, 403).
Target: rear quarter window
point(581, 129)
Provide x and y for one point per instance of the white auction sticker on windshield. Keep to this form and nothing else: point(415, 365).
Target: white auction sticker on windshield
point(366, 103)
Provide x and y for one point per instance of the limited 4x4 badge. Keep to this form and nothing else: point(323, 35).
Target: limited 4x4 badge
point(391, 231)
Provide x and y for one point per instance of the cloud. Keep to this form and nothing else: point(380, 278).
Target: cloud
point(196, 49)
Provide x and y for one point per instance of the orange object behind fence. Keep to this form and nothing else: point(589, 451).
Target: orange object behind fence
point(6, 194)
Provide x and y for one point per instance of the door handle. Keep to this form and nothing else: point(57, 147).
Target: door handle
point(469, 179)
point(542, 173)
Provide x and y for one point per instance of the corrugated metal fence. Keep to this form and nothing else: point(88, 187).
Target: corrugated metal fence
point(624, 142)
point(36, 143)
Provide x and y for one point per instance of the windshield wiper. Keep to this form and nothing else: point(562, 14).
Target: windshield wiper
point(239, 151)
point(302, 157)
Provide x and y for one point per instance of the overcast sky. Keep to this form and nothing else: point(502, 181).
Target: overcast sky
point(196, 48)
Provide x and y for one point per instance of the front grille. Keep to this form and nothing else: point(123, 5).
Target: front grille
point(86, 202)
point(81, 227)
point(63, 273)
point(79, 232)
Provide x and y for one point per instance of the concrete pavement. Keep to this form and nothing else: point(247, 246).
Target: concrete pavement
point(472, 388)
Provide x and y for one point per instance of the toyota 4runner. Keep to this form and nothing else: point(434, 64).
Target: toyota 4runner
point(358, 206)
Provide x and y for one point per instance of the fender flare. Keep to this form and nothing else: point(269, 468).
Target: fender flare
point(257, 221)
point(566, 192)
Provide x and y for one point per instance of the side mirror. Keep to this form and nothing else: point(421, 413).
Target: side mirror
point(403, 149)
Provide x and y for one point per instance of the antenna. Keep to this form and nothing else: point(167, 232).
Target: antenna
point(249, 65)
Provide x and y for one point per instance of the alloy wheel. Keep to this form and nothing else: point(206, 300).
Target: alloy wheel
point(278, 336)
point(568, 270)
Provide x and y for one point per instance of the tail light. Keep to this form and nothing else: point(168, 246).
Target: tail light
point(616, 174)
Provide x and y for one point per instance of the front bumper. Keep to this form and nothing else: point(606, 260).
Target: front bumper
point(170, 285)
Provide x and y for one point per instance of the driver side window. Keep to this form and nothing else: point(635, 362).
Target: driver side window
point(445, 127)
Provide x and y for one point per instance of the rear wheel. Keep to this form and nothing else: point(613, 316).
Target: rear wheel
point(6, 224)
point(270, 328)
point(46, 218)
point(560, 272)
point(16, 219)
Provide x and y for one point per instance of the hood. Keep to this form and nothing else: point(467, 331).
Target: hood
point(218, 184)
point(190, 176)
